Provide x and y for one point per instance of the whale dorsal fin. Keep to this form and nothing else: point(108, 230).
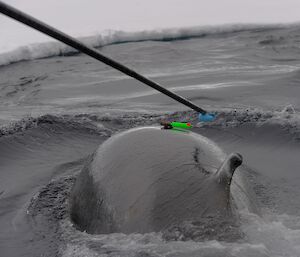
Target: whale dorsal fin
point(226, 171)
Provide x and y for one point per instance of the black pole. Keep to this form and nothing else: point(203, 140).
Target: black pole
point(52, 32)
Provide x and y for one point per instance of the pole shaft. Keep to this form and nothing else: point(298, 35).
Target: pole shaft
point(68, 40)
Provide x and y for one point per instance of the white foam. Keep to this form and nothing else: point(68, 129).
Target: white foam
point(269, 235)
point(280, 234)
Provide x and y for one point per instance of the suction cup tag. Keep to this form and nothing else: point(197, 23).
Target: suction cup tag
point(207, 117)
point(175, 125)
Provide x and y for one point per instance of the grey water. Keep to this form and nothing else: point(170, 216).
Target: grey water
point(55, 111)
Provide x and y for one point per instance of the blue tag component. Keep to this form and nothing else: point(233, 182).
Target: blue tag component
point(207, 117)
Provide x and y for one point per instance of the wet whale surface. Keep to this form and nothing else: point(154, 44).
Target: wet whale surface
point(149, 179)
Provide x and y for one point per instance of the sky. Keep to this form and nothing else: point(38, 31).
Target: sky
point(82, 18)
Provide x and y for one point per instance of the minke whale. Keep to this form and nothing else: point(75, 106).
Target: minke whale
point(151, 179)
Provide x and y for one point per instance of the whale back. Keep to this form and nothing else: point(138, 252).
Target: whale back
point(146, 179)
